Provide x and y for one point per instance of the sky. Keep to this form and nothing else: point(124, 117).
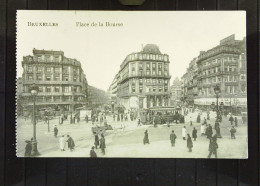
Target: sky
point(101, 50)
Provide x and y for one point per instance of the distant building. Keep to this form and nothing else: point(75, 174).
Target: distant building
point(97, 98)
point(61, 81)
point(143, 79)
point(176, 91)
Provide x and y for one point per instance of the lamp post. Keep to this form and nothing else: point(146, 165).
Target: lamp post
point(34, 92)
point(217, 92)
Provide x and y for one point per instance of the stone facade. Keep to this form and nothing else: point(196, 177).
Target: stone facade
point(61, 81)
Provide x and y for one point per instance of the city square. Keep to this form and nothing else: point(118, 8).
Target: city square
point(186, 98)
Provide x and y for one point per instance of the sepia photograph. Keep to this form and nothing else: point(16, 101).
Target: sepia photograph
point(131, 84)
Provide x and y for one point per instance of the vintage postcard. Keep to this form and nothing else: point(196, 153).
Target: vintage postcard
point(131, 84)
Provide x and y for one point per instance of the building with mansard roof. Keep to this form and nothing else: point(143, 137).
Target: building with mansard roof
point(61, 81)
point(143, 79)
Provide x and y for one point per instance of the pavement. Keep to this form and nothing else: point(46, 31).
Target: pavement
point(126, 140)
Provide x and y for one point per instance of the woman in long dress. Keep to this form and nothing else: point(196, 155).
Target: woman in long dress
point(62, 143)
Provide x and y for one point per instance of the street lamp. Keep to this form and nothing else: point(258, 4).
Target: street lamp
point(217, 92)
point(34, 92)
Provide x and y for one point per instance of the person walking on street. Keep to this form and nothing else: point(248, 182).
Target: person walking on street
point(93, 153)
point(194, 134)
point(103, 144)
point(189, 143)
point(62, 143)
point(71, 143)
point(56, 131)
point(210, 132)
point(173, 138)
point(231, 119)
point(232, 132)
point(28, 148)
point(146, 138)
point(96, 140)
point(184, 133)
point(236, 121)
point(198, 118)
point(213, 146)
point(139, 122)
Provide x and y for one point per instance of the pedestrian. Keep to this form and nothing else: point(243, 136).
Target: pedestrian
point(189, 143)
point(231, 119)
point(210, 131)
point(70, 118)
point(236, 121)
point(96, 140)
point(184, 133)
point(71, 143)
point(86, 118)
point(198, 118)
point(118, 118)
point(113, 117)
point(173, 138)
point(62, 143)
point(205, 121)
point(102, 144)
point(122, 117)
point(194, 134)
point(190, 121)
point(146, 138)
point(139, 122)
point(232, 132)
point(28, 148)
point(218, 132)
point(56, 131)
point(213, 146)
point(208, 116)
point(93, 153)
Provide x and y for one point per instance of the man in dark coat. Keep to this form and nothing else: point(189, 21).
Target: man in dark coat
point(71, 143)
point(236, 121)
point(28, 148)
point(213, 146)
point(198, 118)
point(231, 119)
point(194, 134)
point(173, 138)
point(56, 131)
point(189, 143)
point(103, 144)
point(93, 153)
point(146, 139)
point(210, 132)
point(96, 140)
point(218, 132)
point(232, 132)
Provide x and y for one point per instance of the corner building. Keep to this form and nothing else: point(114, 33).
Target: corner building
point(61, 80)
point(143, 79)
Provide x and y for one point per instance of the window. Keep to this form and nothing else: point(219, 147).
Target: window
point(57, 89)
point(140, 89)
point(154, 89)
point(140, 66)
point(48, 77)
point(39, 58)
point(165, 89)
point(230, 69)
point(154, 81)
point(154, 66)
point(40, 89)
point(147, 72)
point(154, 73)
point(65, 70)
point(66, 89)
point(65, 78)
point(159, 81)
point(75, 78)
point(39, 77)
point(30, 77)
point(74, 89)
point(56, 69)
point(56, 59)
point(234, 69)
point(39, 69)
point(140, 81)
point(48, 69)
point(30, 69)
point(48, 89)
point(243, 88)
point(160, 66)
point(160, 89)
point(160, 72)
point(225, 79)
point(160, 57)
point(47, 58)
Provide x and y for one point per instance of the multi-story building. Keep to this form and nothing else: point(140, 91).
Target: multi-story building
point(176, 91)
point(143, 79)
point(189, 82)
point(61, 81)
point(225, 66)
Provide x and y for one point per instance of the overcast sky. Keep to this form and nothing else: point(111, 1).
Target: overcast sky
point(101, 50)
